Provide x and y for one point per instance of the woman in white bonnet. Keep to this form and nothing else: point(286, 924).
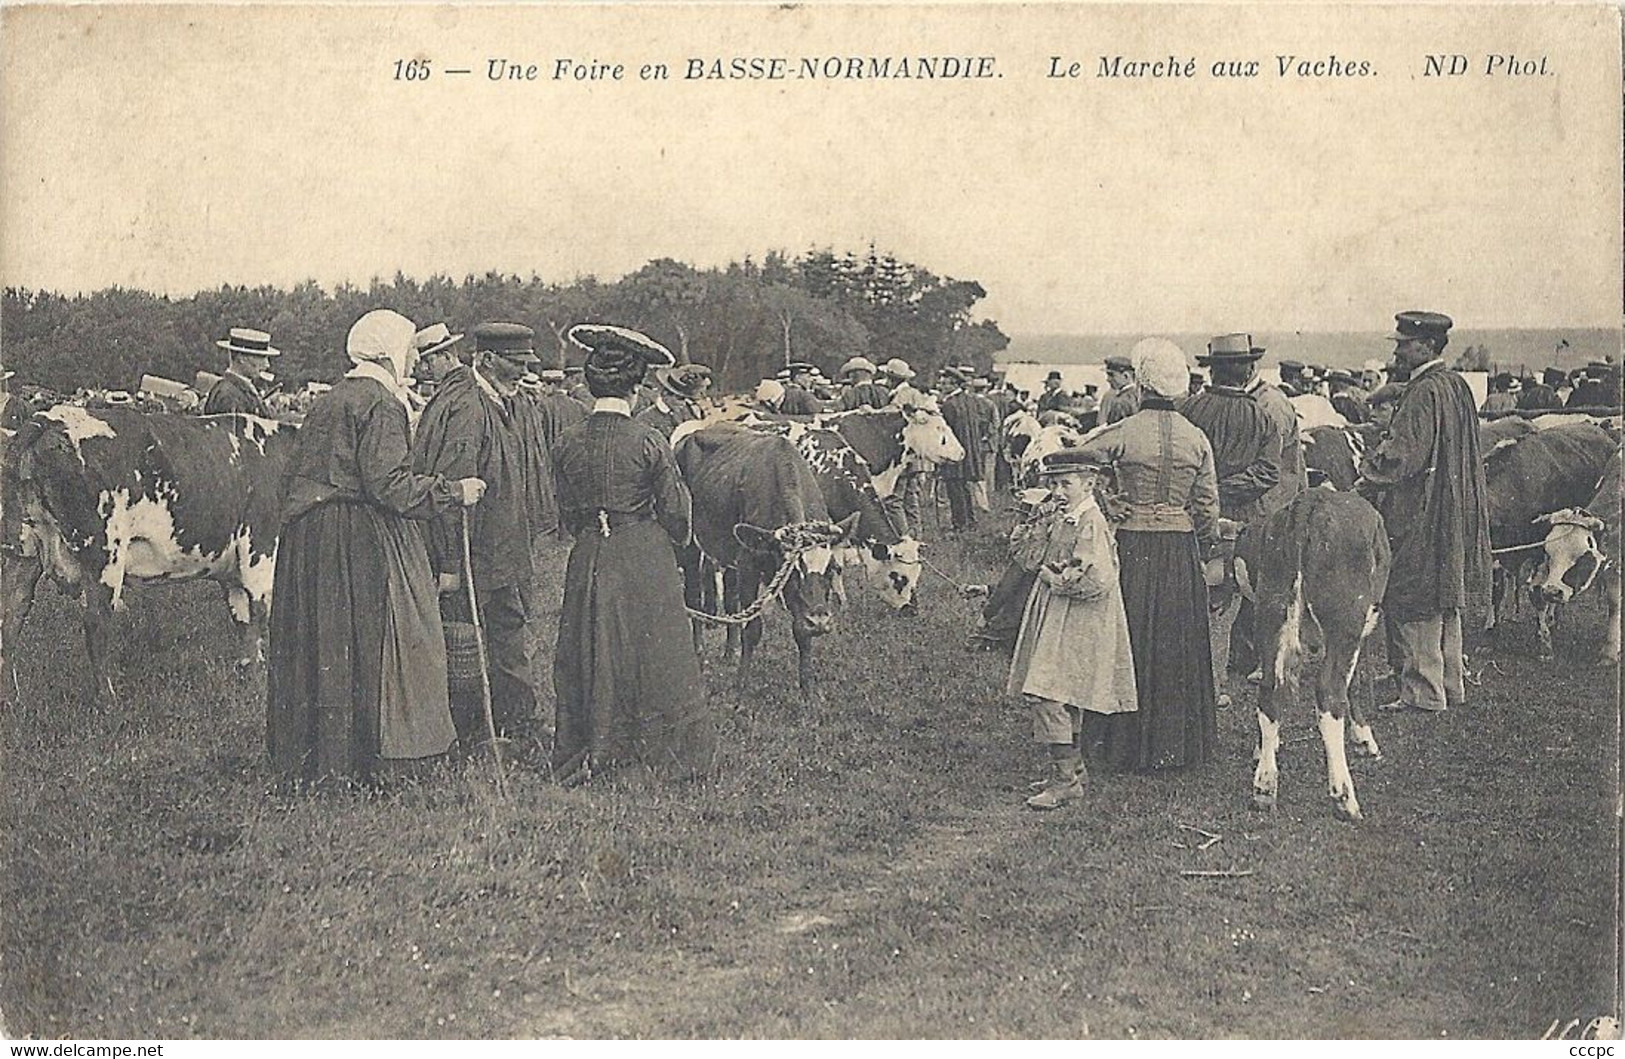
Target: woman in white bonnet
point(1170, 497)
point(358, 658)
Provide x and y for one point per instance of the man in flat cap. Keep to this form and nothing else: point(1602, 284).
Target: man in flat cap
point(1054, 398)
point(1124, 398)
point(1426, 476)
point(472, 428)
point(249, 354)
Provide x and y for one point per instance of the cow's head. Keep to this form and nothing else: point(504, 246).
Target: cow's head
point(814, 546)
point(894, 569)
point(927, 435)
point(1570, 556)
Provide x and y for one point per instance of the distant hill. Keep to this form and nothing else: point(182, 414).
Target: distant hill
point(1509, 349)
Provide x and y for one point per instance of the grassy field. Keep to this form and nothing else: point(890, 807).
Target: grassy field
point(862, 867)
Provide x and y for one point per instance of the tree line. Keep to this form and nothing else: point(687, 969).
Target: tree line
point(745, 320)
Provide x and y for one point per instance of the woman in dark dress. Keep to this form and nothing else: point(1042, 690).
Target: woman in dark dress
point(625, 673)
point(1169, 496)
point(358, 658)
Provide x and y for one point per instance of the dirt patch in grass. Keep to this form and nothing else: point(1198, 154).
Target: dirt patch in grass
point(863, 865)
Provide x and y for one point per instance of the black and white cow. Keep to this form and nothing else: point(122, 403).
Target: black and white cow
point(757, 506)
point(1317, 571)
point(1582, 545)
point(109, 498)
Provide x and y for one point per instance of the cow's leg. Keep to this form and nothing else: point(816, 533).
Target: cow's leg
point(19, 578)
point(242, 615)
point(751, 634)
point(1610, 636)
point(1332, 700)
point(1365, 741)
point(1543, 629)
point(804, 655)
point(97, 617)
point(730, 605)
point(1274, 678)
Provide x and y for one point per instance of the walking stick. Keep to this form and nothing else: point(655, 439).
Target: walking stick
point(479, 646)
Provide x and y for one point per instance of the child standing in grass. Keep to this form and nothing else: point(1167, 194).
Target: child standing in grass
point(1072, 654)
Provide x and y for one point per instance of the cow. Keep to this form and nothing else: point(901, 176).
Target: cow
point(758, 511)
point(1316, 411)
point(1573, 556)
point(891, 559)
point(111, 498)
point(1539, 474)
point(1317, 572)
point(1498, 433)
point(1332, 454)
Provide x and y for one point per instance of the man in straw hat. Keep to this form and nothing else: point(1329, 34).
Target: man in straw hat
point(1257, 455)
point(1427, 480)
point(471, 429)
point(250, 354)
point(862, 391)
point(677, 392)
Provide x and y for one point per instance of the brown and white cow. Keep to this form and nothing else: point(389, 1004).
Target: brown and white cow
point(1317, 571)
point(1582, 544)
point(110, 498)
point(756, 507)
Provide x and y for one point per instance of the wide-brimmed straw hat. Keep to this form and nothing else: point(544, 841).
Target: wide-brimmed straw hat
point(250, 342)
point(434, 339)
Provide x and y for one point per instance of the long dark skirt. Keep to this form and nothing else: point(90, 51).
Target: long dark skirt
point(625, 673)
point(358, 655)
point(1166, 602)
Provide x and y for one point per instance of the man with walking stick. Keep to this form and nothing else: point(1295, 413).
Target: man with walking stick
point(469, 428)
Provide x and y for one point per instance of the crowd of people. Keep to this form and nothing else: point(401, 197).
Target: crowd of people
point(426, 477)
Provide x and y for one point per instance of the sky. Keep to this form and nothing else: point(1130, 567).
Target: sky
point(179, 148)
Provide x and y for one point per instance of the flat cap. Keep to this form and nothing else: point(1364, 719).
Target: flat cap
point(512, 341)
point(1117, 363)
point(1291, 367)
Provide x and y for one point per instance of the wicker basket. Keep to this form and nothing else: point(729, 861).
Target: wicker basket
point(462, 657)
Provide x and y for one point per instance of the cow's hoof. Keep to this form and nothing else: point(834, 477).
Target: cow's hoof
point(1351, 810)
point(1263, 801)
point(1223, 701)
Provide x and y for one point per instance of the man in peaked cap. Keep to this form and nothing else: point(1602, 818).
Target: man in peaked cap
point(1347, 396)
point(798, 398)
point(1427, 479)
point(1054, 398)
point(1293, 381)
point(1124, 398)
point(472, 427)
point(249, 352)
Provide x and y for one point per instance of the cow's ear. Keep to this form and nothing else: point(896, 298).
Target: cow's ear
point(846, 528)
point(755, 538)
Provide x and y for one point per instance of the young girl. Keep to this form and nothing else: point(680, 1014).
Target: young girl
point(1073, 651)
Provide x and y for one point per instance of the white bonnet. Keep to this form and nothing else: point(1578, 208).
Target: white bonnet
point(1160, 366)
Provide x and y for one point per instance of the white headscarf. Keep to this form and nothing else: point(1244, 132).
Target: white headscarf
point(380, 344)
point(1160, 367)
point(770, 392)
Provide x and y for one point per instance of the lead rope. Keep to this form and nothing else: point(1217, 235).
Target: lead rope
point(774, 587)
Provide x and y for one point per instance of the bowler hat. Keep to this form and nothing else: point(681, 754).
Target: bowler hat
point(1053, 376)
point(1415, 323)
point(248, 341)
point(1230, 349)
point(510, 341)
point(598, 337)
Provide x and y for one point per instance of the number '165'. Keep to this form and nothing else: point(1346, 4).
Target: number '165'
point(411, 69)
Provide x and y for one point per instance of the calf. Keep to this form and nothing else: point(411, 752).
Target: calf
point(1581, 543)
point(1318, 569)
point(114, 497)
point(757, 508)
